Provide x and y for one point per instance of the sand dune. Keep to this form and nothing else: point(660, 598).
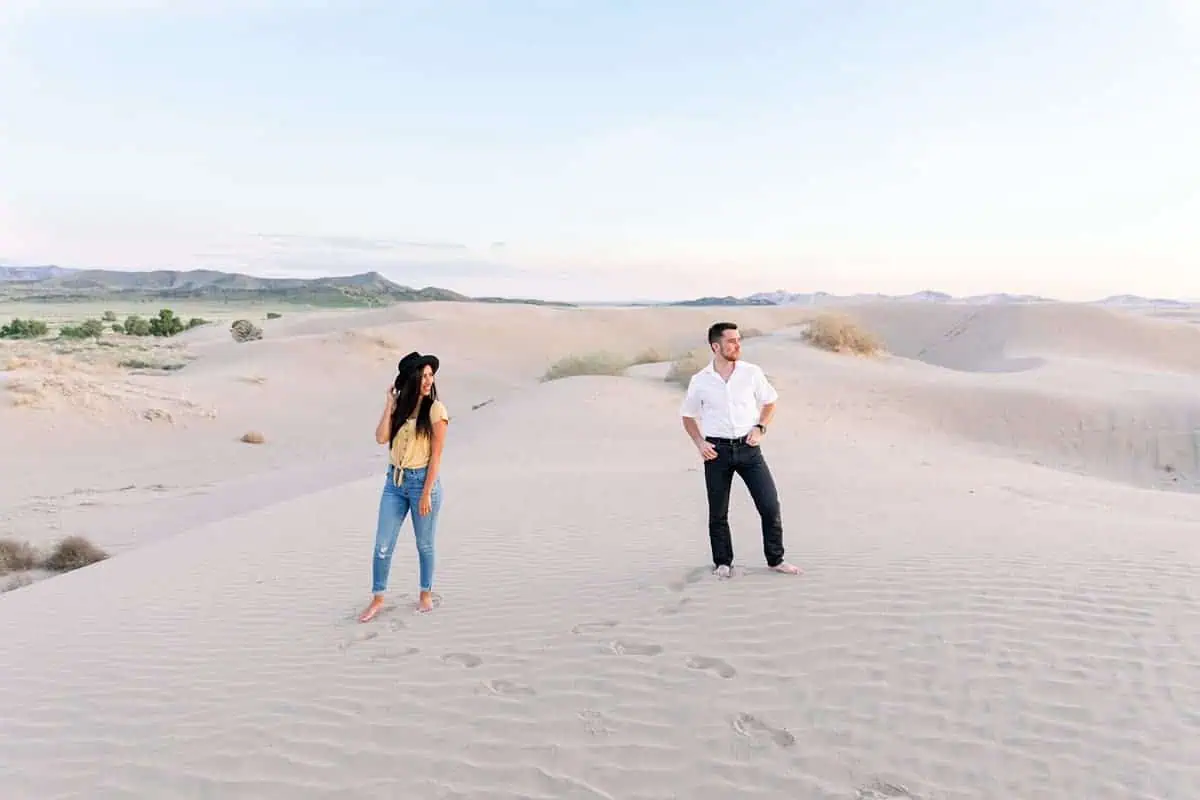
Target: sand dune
point(970, 624)
point(1003, 338)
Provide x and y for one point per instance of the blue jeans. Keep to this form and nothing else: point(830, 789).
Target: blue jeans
point(394, 505)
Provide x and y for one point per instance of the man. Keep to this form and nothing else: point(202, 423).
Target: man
point(728, 407)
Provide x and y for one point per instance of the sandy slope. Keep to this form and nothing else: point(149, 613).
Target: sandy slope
point(971, 625)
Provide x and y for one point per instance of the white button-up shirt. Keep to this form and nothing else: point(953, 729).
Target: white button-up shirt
point(728, 409)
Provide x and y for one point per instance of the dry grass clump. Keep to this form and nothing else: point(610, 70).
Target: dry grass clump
point(841, 334)
point(25, 393)
point(253, 437)
point(72, 553)
point(600, 363)
point(19, 558)
point(651, 355)
point(683, 368)
point(14, 363)
point(16, 582)
point(16, 556)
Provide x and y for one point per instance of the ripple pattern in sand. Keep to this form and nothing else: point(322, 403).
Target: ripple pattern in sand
point(976, 669)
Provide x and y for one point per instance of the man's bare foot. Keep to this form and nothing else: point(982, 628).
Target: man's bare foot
point(373, 609)
point(787, 569)
point(426, 602)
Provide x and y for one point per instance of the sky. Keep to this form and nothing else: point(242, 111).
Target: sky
point(625, 149)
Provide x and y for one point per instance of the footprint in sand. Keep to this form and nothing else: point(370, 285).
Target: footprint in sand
point(634, 648)
point(468, 660)
point(509, 688)
point(672, 610)
point(882, 791)
point(595, 723)
point(713, 665)
point(691, 576)
point(593, 627)
point(753, 728)
point(395, 654)
point(358, 638)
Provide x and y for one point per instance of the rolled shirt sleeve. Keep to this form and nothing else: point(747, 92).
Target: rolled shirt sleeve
point(690, 407)
point(764, 392)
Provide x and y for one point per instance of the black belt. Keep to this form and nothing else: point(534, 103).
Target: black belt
point(721, 440)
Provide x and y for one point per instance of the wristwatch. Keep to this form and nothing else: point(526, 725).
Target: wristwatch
point(761, 427)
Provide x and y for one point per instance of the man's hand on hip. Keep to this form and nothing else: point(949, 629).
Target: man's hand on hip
point(707, 451)
point(754, 437)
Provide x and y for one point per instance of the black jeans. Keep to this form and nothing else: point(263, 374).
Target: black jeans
point(735, 456)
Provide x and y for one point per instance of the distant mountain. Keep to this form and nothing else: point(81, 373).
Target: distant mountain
point(1134, 300)
point(782, 298)
point(30, 273)
point(726, 301)
point(366, 289)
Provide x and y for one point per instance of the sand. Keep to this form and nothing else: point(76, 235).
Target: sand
point(1001, 595)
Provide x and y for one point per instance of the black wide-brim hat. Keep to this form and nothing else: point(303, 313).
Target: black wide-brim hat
point(415, 361)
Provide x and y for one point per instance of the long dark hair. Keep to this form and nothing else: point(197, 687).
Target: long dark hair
point(408, 394)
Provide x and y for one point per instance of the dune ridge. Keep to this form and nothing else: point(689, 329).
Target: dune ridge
point(970, 624)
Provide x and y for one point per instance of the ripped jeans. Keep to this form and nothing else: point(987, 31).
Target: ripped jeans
point(394, 505)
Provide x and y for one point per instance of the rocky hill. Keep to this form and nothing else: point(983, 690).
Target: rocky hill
point(58, 284)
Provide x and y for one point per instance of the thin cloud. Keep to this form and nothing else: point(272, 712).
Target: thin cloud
point(357, 243)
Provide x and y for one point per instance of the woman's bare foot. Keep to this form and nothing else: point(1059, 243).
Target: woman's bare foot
point(426, 603)
point(372, 610)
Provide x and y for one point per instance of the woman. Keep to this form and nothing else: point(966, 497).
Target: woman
point(413, 425)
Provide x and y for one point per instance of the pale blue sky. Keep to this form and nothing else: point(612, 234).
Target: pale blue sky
point(595, 150)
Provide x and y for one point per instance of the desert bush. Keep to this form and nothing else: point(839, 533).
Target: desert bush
point(72, 553)
point(118, 327)
point(253, 437)
point(273, 315)
point(196, 322)
point(109, 316)
point(88, 329)
point(600, 363)
point(243, 330)
point(137, 326)
point(23, 329)
point(841, 334)
point(683, 368)
point(166, 323)
point(16, 556)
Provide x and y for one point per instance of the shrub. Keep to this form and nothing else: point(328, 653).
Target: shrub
point(683, 368)
point(243, 330)
point(16, 556)
point(109, 316)
point(118, 327)
point(88, 329)
point(23, 329)
point(166, 324)
point(196, 322)
point(72, 553)
point(841, 334)
point(600, 363)
point(273, 315)
point(136, 326)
